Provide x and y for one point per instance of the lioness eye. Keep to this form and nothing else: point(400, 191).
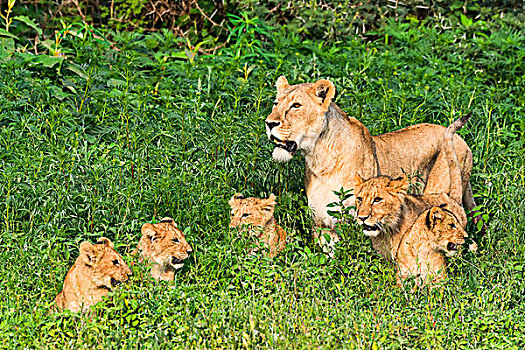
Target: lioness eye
point(452, 226)
point(245, 215)
point(359, 199)
point(296, 105)
point(115, 262)
point(275, 103)
point(378, 199)
point(175, 240)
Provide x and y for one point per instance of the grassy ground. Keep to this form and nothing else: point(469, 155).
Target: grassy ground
point(117, 139)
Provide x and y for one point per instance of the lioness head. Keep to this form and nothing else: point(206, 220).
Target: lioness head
point(250, 213)
point(108, 267)
point(298, 116)
point(164, 244)
point(448, 234)
point(379, 202)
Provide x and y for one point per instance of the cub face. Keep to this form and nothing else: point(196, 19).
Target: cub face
point(448, 233)
point(249, 213)
point(164, 244)
point(297, 117)
point(108, 267)
point(379, 202)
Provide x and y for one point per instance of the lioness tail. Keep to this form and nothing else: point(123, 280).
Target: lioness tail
point(456, 183)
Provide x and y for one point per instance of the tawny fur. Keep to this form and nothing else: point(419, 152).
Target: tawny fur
point(387, 212)
point(254, 216)
point(337, 147)
point(422, 250)
point(164, 245)
point(96, 271)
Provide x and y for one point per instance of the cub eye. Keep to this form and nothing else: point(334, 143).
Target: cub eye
point(175, 240)
point(359, 199)
point(296, 105)
point(275, 103)
point(116, 262)
point(245, 215)
point(452, 226)
point(378, 199)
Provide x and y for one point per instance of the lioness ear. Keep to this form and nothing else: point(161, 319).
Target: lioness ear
point(324, 90)
point(281, 84)
point(433, 216)
point(105, 241)
point(399, 185)
point(149, 231)
point(88, 253)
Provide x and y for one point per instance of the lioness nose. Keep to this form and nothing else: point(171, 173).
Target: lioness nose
point(272, 125)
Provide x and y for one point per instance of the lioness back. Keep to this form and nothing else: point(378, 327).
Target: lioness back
point(97, 270)
point(255, 216)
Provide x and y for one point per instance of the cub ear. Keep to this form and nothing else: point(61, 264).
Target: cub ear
point(281, 84)
point(168, 220)
point(106, 241)
point(399, 185)
point(149, 231)
point(88, 253)
point(434, 215)
point(271, 201)
point(233, 201)
point(324, 90)
point(358, 180)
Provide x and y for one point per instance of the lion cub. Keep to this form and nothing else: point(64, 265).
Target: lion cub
point(96, 271)
point(420, 253)
point(387, 211)
point(255, 216)
point(164, 245)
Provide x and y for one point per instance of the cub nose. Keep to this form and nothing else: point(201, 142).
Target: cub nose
point(189, 252)
point(362, 218)
point(272, 125)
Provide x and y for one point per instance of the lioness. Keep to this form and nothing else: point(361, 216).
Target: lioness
point(96, 271)
point(164, 245)
point(337, 147)
point(255, 216)
point(421, 250)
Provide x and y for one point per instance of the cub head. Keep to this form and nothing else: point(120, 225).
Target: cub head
point(108, 267)
point(248, 213)
point(448, 234)
point(379, 203)
point(298, 116)
point(164, 244)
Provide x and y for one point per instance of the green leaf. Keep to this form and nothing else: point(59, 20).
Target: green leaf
point(29, 22)
point(5, 33)
point(75, 68)
point(48, 61)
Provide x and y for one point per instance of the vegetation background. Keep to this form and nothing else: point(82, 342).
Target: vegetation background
point(115, 113)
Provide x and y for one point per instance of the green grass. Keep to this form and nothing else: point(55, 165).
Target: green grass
point(123, 138)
